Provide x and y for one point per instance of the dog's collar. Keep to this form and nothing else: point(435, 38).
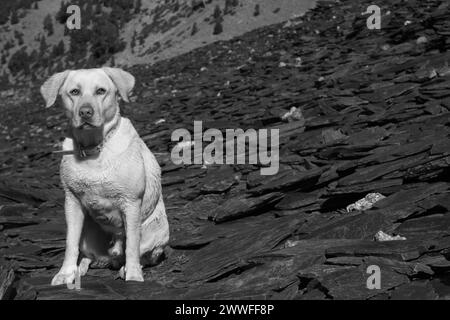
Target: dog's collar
point(87, 152)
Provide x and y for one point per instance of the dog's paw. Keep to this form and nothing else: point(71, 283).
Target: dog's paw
point(131, 273)
point(84, 266)
point(65, 275)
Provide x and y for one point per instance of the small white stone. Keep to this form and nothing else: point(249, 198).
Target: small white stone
point(294, 114)
point(382, 236)
point(421, 40)
point(365, 203)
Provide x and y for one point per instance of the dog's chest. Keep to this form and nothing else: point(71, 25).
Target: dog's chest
point(98, 192)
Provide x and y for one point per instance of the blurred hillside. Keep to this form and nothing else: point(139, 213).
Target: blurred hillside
point(35, 42)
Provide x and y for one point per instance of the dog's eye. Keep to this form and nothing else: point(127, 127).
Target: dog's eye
point(100, 91)
point(74, 92)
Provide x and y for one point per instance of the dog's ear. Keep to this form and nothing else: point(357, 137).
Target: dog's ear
point(123, 80)
point(50, 88)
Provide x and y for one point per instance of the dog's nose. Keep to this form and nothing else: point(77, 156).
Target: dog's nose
point(86, 111)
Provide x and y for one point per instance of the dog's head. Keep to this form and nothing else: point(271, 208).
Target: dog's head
point(90, 96)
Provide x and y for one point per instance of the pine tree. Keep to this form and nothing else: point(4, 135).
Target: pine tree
point(61, 15)
point(88, 12)
point(137, 6)
point(133, 42)
point(19, 61)
point(98, 8)
point(42, 46)
point(217, 12)
point(14, 17)
point(58, 50)
point(19, 36)
point(48, 24)
point(59, 66)
point(218, 29)
point(8, 45)
point(194, 29)
point(228, 6)
point(34, 55)
point(256, 12)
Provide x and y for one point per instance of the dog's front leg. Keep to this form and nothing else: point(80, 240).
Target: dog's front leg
point(74, 219)
point(132, 215)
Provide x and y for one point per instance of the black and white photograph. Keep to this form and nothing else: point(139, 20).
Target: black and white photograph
point(224, 155)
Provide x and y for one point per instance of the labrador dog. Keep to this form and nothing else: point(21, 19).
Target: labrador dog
point(113, 207)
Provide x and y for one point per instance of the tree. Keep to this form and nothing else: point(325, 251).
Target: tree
point(48, 24)
point(137, 6)
point(62, 15)
point(256, 12)
point(14, 17)
point(58, 50)
point(133, 41)
point(79, 41)
point(194, 29)
point(19, 36)
point(218, 29)
point(8, 45)
point(217, 12)
point(19, 61)
point(34, 55)
point(59, 66)
point(229, 4)
point(98, 8)
point(118, 15)
point(105, 40)
point(36, 6)
point(88, 12)
point(42, 46)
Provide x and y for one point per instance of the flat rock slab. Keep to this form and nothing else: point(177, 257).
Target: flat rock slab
point(7, 277)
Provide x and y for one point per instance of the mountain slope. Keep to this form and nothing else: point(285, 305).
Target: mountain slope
point(35, 42)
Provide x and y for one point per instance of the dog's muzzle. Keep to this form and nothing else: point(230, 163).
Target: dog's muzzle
point(86, 112)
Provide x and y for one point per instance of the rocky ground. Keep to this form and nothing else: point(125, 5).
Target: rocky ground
point(375, 107)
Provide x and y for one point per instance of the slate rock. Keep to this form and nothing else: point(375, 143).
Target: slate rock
point(7, 277)
point(236, 208)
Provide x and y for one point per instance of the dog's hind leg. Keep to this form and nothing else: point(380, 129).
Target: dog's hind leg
point(152, 258)
point(155, 236)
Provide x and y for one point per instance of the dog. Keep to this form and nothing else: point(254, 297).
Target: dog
point(114, 209)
